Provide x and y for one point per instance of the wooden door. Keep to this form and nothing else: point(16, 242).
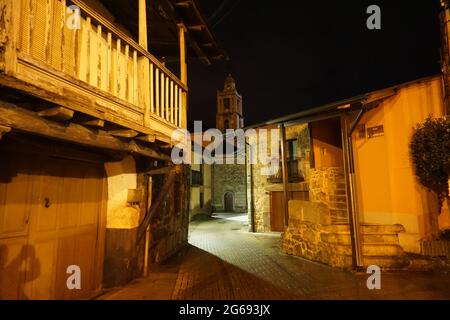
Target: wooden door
point(277, 212)
point(56, 224)
point(15, 210)
point(229, 202)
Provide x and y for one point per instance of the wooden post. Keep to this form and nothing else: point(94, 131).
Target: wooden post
point(144, 65)
point(285, 174)
point(147, 232)
point(143, 40)
point(9, 20)
point(183, 66)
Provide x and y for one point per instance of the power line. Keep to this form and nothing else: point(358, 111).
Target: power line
point(218, 10)
point(227, 13)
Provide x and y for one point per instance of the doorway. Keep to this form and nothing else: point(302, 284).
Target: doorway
point(229, 202)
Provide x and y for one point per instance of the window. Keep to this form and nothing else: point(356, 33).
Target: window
point(292, 164)
point(292, 149)
point(227, 104)
point(197, 178)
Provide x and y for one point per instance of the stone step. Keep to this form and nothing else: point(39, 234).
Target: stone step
point(392, 262)
point(337, 205)
point(345, 239)
point(381, 250)
point(381, 229)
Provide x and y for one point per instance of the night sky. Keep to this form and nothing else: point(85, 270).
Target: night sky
point(287, 56)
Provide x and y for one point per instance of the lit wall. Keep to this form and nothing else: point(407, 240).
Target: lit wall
point(388, 191)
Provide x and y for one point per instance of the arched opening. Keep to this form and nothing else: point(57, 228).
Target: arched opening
point(229, 202)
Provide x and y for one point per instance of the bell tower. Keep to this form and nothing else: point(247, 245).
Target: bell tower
point(229, 107)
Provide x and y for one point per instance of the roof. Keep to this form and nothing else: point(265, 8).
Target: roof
point(163, 18)
point(335, 109)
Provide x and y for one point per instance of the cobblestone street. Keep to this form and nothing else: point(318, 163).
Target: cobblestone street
point(224, 261)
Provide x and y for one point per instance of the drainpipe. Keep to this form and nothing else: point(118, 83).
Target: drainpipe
point(249, 170)
point(285, 175)
point(355, 231)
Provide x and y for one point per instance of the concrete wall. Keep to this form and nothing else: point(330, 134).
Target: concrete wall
point(388, 191)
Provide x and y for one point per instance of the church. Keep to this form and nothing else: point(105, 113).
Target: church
point(221, 187)
point(229, 187)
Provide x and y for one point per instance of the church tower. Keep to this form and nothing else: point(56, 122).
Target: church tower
point(229, 107)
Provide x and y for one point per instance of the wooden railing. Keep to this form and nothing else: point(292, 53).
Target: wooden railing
point(102, 56)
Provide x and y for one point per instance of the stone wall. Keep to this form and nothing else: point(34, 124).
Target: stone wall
point(331, 244)
point(262, 188)
point(169, 229)
point(261, 200)
point(124, 257)
point(229, 178)
point(327, 186)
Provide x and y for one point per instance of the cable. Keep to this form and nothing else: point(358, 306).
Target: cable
point(218, 10)
point(227, 13)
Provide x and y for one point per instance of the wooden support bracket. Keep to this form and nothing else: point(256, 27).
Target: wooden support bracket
point(57, 114)
point(4, 130)
point(126, 133)
point(96, 123)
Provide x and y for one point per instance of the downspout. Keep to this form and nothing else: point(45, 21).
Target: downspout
point(249, 170)
point(355, 232)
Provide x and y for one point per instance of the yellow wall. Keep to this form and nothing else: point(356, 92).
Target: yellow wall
point(388, 191)
point(121, 177)
point(327, 155)
point(206, 189)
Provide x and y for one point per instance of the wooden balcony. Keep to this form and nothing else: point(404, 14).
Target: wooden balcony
point(97, 71)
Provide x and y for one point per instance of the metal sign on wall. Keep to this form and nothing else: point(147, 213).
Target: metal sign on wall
point(377, 131)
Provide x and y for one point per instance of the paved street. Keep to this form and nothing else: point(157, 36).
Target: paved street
point(224, 261)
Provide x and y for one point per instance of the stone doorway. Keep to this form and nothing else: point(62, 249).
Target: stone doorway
point(229, 202)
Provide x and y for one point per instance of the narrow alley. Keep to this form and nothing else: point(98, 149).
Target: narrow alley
point(225, 262)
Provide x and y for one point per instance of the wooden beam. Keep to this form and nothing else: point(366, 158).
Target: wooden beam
point(156, 206)
point(159, 171)
point(57, 114)
point(199, 27)
point(4, 130)
point(96, 123)
point(164, 170)
point(27, 121)
point(183, 4)
point(125, 133)
point(150, 138)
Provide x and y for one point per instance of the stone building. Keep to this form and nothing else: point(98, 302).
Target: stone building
point(356, 200)
point(229, 183)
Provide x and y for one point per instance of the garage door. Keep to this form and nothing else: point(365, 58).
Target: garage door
point(51, 213)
